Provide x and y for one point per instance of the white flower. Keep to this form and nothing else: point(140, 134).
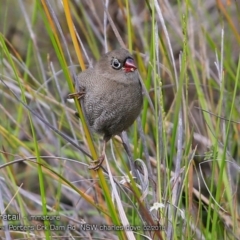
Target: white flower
point(157, 206)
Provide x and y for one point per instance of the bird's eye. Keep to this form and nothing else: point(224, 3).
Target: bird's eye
point(116, 64)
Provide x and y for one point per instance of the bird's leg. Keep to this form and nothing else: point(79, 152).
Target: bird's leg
point(97, 163)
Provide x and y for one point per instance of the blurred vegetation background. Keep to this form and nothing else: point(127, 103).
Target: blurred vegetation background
point(186, 140)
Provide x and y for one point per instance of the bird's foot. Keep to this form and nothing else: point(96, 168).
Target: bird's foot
point(96, 164)
point(76, 114)
point(78, 95)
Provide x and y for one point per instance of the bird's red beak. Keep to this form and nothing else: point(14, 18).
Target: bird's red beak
point(129, 65)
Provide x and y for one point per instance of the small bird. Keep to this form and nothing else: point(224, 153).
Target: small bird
point(111, 95)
